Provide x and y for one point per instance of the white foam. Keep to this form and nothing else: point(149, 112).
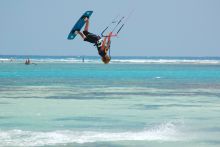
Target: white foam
point(164, 132)
point(4, 59)
point(117, 60)
point(165, 61)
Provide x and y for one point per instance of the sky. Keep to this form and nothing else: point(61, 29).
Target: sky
point(156, 27)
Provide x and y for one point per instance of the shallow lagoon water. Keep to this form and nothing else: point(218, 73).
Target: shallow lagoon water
point(120, 104)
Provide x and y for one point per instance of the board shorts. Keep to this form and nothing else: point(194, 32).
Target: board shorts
point(92, 38)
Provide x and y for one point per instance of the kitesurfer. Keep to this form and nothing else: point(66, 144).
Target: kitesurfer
point(100, 43)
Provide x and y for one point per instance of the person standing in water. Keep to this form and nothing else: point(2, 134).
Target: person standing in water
point(27, 62)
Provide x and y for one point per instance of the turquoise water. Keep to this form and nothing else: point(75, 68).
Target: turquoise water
point(134, 101)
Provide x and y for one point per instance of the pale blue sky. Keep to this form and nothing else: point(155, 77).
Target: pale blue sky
point(156, 28)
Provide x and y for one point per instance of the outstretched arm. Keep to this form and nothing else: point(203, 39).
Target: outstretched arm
point(105, 47)
point(109, 40)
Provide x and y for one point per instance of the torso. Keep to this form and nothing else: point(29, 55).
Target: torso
point(101, 53)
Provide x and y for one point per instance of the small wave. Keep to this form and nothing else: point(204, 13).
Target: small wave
point(5, 59)
point(164, 132)
point(51, 60)
point(166, 61)
point(120, 60)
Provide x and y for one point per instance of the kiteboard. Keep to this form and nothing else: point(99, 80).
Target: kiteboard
point(79, 24)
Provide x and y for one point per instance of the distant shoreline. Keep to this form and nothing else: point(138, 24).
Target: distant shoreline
point(115, 59)
point(142, 56)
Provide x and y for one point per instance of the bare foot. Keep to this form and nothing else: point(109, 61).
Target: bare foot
point(76, 32)
point(86, 19)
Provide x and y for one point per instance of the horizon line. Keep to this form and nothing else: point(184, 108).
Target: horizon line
point(98, 56)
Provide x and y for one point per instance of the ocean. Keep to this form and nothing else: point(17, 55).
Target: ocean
point(131, 102)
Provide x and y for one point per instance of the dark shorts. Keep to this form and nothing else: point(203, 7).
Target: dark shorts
point(92, 38)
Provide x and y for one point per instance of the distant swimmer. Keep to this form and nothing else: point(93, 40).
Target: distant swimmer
point(27, 62)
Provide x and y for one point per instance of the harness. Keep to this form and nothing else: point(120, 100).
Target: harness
point(99, 44)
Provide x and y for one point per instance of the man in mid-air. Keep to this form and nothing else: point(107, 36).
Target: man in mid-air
point(100, 43)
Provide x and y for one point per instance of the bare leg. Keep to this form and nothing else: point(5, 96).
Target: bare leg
point(81, 34)
point(85, 29)
point(87, 24)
